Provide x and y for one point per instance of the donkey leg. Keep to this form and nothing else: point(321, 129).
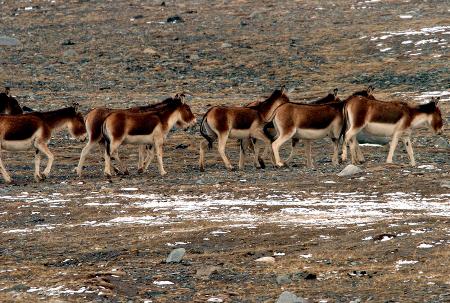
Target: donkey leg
point(221, 148)
point(5, 174)
point(349, 134)
point(86, 150)
point(123, 167)
point(159, 156)
point(114, 145)
point(259, 134)
point(292, 154)
point(335, 158)
point(407, 142)
point(392, 148)
point(201, 161)
point(37, 165)
point(277, 144)
point(242, 145)
point(43, 148)
point(141, 159)
point(149, 157)
point(359, 153)
point(308, 151)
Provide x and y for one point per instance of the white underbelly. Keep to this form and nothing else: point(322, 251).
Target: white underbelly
point(18, 144)
point(380, 129)
point(141, 139)
point(239, 133)
point(312, 133)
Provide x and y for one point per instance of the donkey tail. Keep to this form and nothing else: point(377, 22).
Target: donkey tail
point(267, 131)
point(204, 132)
point(106, 139)
point(344, 123)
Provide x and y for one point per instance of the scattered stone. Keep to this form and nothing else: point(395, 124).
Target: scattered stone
point(288, 297)
point(215, 300)
point(225, 45)
point(69, 53)
point(182, 146)
point(138, 17)
point(68, 42)
point(442, 143)
point(8, 41)
point(350, 170)
point(384, 237)
point(366, 138)
point(445, 184)
point(283, 279)
point(311, 276)
point(204, 272)
point(194, 57)
point(175, 19)
point(266, 260)
point(176, 255)
point(150, 51)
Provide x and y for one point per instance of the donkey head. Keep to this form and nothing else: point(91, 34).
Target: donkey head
point(435, 119)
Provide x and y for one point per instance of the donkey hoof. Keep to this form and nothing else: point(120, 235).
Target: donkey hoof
point(126, 173)
point(262, 165)
point(140, 170)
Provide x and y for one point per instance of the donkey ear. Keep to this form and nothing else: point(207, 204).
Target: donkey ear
point(436, 100)
point(76, 106)
point(335, 92)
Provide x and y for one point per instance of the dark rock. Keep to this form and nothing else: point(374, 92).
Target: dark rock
point(283, 279)
point(442, 143)
point(288, 297)
point(176, 255)
point(138, 17)
point(383, 236)
point(350, 170)
point(175, 19)
point(68, 42)
point(182, 146)
point(8, 41)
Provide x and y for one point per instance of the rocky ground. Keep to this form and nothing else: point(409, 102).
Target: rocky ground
point(381, 235)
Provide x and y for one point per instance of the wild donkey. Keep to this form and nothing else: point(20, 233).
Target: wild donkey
point(393, 119)
point(271, 132)
point(94, 122)
point(8, 104)
point(143, 129)
point(34, 130)
point(223, 122)
point(308, 122)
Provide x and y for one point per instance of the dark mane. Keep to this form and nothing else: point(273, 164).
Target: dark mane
point(327, 99)
point(427, 108)
point(166, 102)
point(8, 102)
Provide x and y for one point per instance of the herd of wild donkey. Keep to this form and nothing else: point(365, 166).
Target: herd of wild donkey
point(273, 121)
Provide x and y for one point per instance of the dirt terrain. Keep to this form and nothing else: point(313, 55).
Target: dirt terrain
point(382, 235)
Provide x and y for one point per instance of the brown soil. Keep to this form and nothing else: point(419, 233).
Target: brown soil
point(341, 239)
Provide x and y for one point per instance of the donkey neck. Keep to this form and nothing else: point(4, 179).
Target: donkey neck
point(57, 119)
point(169, 117)
point(267, 108)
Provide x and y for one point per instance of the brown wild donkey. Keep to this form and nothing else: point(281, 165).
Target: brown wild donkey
point(393, 119)
point(8, 104)
point(145, 128)
point(94, 123)
point(34, 130)
point(270, 129)
point(223, 122)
